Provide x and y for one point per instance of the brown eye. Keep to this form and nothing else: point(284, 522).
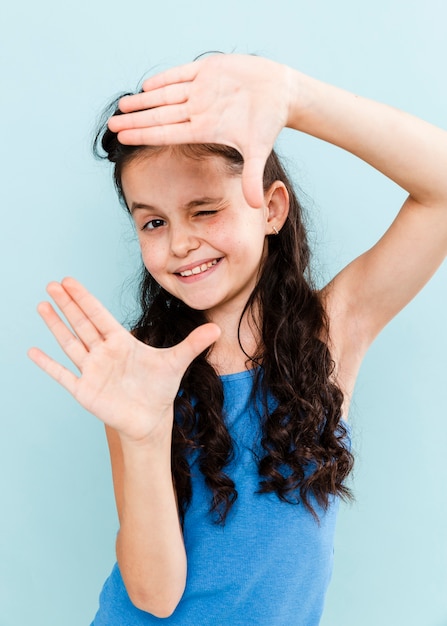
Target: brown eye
point(153, 224)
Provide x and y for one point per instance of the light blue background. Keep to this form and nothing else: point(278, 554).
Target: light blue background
point(61, 62)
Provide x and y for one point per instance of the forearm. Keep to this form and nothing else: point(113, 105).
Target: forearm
point(408, 150)
point(150, 548)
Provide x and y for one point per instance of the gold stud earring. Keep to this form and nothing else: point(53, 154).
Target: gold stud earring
point(275, 230)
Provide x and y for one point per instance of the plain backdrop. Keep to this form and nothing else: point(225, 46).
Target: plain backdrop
point(61, 62)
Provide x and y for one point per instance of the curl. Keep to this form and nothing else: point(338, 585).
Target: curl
point(304, 457)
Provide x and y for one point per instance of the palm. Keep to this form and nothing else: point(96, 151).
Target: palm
point(128, 385)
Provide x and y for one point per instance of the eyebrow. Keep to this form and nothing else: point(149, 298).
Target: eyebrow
point(197, 202)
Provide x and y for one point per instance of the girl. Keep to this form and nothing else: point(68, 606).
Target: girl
point(226, 407)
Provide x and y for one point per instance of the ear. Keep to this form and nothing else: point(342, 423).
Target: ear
point(276, 206)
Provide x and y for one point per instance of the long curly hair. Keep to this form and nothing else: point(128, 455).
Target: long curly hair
point(305, 430)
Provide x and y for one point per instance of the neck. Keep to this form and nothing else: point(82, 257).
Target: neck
point(227, 356)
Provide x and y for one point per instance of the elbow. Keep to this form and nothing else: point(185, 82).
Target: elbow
point(160, 605)
point(156, 588)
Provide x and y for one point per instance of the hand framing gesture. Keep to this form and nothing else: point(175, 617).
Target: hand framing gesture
point(239, 101)
point(127, 384)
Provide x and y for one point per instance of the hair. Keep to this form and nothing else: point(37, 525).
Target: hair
point(305, 455)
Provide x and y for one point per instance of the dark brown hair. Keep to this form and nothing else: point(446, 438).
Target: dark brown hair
point(305, 431)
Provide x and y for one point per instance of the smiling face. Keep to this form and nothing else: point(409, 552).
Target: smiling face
point(199, 238)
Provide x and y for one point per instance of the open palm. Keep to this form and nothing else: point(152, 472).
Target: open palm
point(127, 384)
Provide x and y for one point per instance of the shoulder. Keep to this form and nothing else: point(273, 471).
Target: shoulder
point(371, 290)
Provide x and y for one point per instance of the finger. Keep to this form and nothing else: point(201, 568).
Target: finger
point(100, 318)
point(59, 373)
point(69, 343)
point(160, 135)
point(79, 321)
point(195, 343)
point(179, 74)
point(160, 116)
point(252, 179)
point(171, 94)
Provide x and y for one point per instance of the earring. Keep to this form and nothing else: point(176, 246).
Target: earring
point(275, 230)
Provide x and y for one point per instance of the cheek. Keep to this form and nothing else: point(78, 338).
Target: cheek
point(152, 257)
point(241, 233)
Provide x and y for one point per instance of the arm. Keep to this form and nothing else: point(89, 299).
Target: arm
point(245, 102)
point(373, 288)
point(413, 153)
point(149, 547)
point(131, 387)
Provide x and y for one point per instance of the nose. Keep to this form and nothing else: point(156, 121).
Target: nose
point(183, 241)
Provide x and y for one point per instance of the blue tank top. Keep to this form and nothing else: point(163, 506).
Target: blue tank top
point(269, 565)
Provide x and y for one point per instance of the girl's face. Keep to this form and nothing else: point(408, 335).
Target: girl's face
point(199, 238)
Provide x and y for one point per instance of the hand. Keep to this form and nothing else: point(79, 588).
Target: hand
point(128, 385)
point(239, 101)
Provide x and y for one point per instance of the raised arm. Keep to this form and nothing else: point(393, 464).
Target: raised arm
point(372, 289)
point(131, 388)
point(244, 101)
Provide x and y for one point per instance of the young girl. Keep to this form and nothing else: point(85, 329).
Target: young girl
point(226, 407)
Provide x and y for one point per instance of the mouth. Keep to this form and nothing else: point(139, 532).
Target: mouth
point(198, 269)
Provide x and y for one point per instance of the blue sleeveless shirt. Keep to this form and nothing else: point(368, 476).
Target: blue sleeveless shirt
point(269, 565)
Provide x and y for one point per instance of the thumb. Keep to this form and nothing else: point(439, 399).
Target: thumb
point(252, 179)
point(195, 343)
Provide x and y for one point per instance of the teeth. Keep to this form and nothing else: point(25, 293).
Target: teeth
point(199, 268)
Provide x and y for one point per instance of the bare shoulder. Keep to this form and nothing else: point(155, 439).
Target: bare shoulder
point(375, 286)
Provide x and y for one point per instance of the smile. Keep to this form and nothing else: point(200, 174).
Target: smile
point(199, 269)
